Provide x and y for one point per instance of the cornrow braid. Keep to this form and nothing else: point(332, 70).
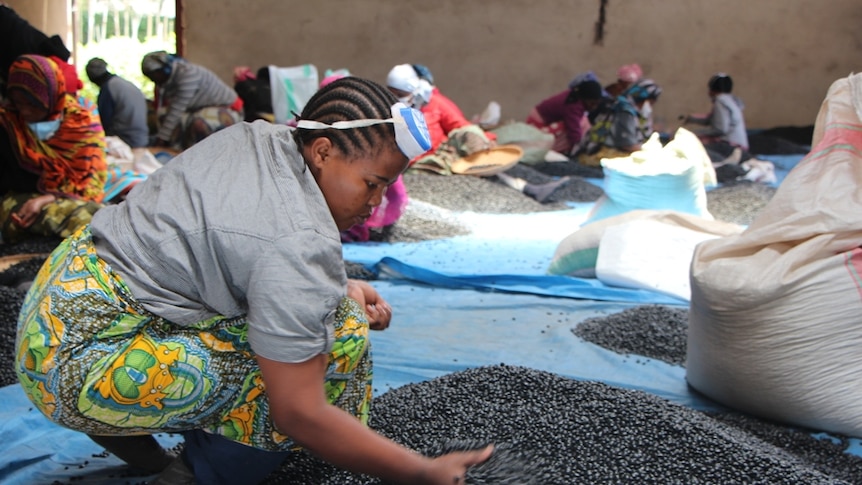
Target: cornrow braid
point(346, 99)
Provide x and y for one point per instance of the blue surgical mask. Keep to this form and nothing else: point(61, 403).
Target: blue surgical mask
point(45, 129)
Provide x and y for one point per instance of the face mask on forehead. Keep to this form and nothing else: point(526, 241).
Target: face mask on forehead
point(411, 132)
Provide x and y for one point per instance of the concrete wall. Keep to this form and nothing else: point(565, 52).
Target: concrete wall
point(49, 16)
point(782, 54)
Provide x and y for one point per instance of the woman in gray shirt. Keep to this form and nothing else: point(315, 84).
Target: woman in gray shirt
point(191, 101)
point(214, 302)
point(725, 130)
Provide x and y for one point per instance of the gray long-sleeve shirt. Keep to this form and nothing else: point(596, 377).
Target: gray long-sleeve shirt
point(725, 121)
point(189, 88)
point(237, 226)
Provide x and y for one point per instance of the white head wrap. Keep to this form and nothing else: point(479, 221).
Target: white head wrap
point(404, 78)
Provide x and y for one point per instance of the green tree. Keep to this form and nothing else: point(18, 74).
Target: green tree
point(121, 32)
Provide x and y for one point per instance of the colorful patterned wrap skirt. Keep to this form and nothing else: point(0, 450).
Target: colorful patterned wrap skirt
point(59, 218)
point(91, 358)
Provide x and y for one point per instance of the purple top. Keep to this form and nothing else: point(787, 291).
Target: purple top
point(555, 109)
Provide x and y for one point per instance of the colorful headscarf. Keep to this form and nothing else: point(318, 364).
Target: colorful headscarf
point(41, 80)
point(581, 77)
point(70, 74)
point(72, 162)
point(332, 78)
point(643, 90)
point(424, 73)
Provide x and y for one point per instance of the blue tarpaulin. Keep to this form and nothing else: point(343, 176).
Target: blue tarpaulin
point(459, 303)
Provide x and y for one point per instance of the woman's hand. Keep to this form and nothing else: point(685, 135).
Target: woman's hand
point(376, 308)
point(299, 409)
point(29, 212)
point(452, 467)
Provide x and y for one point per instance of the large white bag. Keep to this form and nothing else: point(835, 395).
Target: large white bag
point(291, 88)
point(776, 312)
point(649, 254)
point(577, 253)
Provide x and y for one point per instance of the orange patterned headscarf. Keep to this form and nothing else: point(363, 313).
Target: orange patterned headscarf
point(72, 163)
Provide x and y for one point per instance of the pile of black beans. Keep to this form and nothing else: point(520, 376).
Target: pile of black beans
point(14, 283)
point(655, 331)
point(549, 429)
point(10, 302)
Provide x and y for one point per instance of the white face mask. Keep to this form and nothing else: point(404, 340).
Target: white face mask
point(646, 109)
point(45, 129)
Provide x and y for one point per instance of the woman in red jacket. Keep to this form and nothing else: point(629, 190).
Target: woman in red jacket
point(452, 135)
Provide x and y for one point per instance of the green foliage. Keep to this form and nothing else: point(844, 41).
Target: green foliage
point(123, 56)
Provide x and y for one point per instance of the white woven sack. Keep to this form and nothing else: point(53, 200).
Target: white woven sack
point(291, 89)
point(776, 312)
point(577, 253)
point(648, 254)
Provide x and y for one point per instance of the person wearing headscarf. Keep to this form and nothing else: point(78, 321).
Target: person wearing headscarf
point(52, 154)
point(122, 105)
point(627, 76)
point(621, 127)
point(452, 134)
point(191, 101)
point(188, 308)
point(564, 114)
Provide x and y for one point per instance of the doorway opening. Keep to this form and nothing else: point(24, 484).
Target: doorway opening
point(121, 32)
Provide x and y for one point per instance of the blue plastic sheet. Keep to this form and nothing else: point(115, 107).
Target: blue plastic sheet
point(459, 303)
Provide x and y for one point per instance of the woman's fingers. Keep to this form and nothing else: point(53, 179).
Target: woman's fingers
point(379, 315)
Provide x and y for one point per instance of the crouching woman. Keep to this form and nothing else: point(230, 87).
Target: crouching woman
point(214, 302)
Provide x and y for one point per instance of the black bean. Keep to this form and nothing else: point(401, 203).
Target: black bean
point(654, 331)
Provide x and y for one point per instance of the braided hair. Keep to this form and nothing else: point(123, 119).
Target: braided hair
point(346, 99)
